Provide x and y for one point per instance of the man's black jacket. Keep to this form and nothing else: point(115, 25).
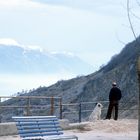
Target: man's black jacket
point(115, 94)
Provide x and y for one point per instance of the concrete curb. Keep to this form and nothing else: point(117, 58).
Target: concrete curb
point(8, 129)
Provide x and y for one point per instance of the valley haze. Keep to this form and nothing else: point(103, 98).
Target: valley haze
point(25, 68)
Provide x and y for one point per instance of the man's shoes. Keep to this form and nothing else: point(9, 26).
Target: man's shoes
point(107, 119)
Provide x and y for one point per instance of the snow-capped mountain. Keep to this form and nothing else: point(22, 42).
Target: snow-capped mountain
point(20, 59)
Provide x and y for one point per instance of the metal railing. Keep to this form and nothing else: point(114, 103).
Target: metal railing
point(85, 108)
point(25, 104)
point(29, 105)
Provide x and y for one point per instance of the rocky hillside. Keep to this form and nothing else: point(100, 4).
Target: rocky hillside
point(95, 87)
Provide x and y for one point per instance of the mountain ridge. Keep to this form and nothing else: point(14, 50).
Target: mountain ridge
point(20, 59)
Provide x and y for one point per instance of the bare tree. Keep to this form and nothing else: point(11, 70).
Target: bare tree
point(130, 22)
point(129, 18)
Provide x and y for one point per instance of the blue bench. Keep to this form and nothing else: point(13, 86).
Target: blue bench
point(40, 128)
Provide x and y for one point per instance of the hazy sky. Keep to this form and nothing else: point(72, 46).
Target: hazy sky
point(91, 29)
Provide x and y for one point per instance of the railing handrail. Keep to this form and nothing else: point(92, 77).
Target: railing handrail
point(36, 97)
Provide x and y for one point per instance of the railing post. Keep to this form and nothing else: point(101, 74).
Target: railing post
point(80, 107)
point(60, 108)
point(28, 106)
point(52, 106)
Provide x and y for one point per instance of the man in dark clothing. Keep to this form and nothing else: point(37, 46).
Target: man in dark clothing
point(114, 97)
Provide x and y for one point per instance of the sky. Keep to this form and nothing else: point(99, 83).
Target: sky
point(93, 30)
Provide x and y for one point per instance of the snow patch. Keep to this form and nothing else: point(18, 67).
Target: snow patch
point(12, 42)
point(64, 53)
point(8, 41)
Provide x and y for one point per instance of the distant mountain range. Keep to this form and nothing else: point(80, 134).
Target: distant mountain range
point(19, 60)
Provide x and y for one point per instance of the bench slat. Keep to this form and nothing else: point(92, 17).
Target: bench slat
point(39, 130)
point(36, 127)
point(35, 119)
point(36, 123)
point(40, 134)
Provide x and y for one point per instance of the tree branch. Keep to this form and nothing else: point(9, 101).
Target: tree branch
point(128, 14)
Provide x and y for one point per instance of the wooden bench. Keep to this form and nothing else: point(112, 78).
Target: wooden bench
point(40, 128)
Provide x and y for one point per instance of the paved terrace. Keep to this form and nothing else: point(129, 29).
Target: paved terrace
point(99, 130)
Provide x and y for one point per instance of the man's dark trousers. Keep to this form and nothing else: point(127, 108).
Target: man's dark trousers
point(112, 104)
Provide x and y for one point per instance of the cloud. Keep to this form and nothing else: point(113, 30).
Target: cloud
point(106, 6)
point(10, 2)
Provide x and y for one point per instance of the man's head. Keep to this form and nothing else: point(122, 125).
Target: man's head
point(114, 84)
